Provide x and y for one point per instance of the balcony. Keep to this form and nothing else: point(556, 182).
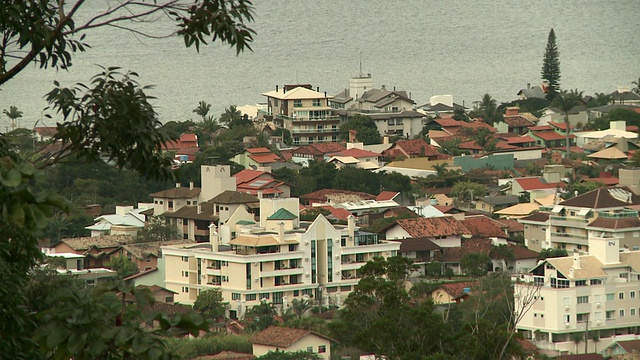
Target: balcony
point(569, 222)
point(282, 272)
point(578, 239)
point(212, 271)
point(314, 131)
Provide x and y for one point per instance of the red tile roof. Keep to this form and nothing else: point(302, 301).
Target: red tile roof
point(319, 149)
point(455, 254)
point(321, 195)
point(610, 180)
point(415, 147)
point(248, 175)
point(561, 126)
point(633, 128)
point(534, 183)
point(264, 158)
point(482, 226)
point(448, 122)
point(260, 150)
point(521, 140)
point(511, 225)
point(518, 121)
point(552, 135)
point(621, 223)
point(457, 290)
point(46, 130)
point(283, 337)
point(387, 195)
point(602, 198)
point(431, 227)
point(541, 128)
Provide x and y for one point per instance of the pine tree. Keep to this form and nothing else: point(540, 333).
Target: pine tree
point(551, 66)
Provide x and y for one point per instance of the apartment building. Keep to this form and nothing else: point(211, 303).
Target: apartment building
point(581, 297)
point(277, 260)
point(304, 112)
point(603, 210)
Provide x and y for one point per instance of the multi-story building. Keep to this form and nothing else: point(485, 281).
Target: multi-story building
point(604, 210)
point(303, 112)
point(574, 299)
point(277, 260)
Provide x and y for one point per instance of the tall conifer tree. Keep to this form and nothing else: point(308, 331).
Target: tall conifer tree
point(551, 66)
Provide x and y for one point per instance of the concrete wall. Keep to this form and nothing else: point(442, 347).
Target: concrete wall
point(498, 162)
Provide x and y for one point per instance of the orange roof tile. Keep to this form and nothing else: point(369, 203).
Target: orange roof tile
point(260, 150)
point(283, 337)
point(430, 227)
point(387, 195)
point(482, 226)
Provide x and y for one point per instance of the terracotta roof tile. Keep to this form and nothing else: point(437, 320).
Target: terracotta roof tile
point(552, 135)
point(321, 195)
point(234, 197)
point(260, 150)
point(282, 337)
point(534, 183)
point(356, 153)
point(387, 195)
point(518, 121)
point(621, 223)
point(536, 217)
point(604, 198)
point(457, 290)
point(101, 242)
point(482, 226)
point(177, 193)
point(416, 147)
point(264, 158)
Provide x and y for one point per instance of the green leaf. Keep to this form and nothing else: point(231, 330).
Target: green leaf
point(11, 178)
point(76, 342)
point(56, 337)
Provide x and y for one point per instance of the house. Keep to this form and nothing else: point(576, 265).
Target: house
point(517, 211)
point(617, 130)
point(531, 184)
point(278, 259)
point(364, 158)
point(550, 138)
point(440, 105)
point(158, 293)
point(492, 204)
point(536, 226)
point(226, 355)
point(358, 85)
point(533, 92)
point(254, 158)
point(97, 251)
point(599, 290)
point(173, 199)
point(624, 96)
point(419, 250)
point(74, 266)
point(450, 293)
point(184, 149)
point(145, 255)
point(261, 184)
point(279, 338)
point(193, 221)
point(513, 122)
point(504, 256)
point(314, 152)
point(305, 113)
point(44, 133)
point(412, 149)
point(126, 221)
point(483, 227)
point(624, 350)
point(444, 231)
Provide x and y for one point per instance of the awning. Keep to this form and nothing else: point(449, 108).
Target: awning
point(557, 209)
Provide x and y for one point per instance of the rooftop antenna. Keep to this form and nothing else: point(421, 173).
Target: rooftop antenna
point(360, 74)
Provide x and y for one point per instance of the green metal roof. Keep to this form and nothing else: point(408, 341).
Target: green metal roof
point(282, 214)
point(245, 222)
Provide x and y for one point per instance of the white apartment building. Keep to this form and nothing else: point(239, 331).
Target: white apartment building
point(582, 296)
point(277, 260)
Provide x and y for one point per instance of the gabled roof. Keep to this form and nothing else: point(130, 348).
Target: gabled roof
point(604, 198)
point(534, 183)
point(590, 267)
point(177, 193)
point(515, 121)
point(264, 158)
point(552, 135)
point(234, 197)
point(247, 175)
point(482, 226)
point(500, 199)
point(519, 209)
point(455, 254)
point(259, 150)
point(536, 217)
point(142, 250)
point(203, 211)
point(283, 337)
point(387, 195)
point(430, 227)
point(416, 147)
point(356, 153)
point(458, 289)
point(630, 346)
point(282, 214)
point(48, 131)
point(614, 224)
point(608, 153)
point(298, 93)
point(319, 149)
point(520, 140)
point(417, 244)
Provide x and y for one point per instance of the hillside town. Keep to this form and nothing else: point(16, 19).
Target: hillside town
point(347, 223)
point(485, 199)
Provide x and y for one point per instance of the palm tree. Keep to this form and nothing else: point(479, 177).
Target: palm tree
point(300, 307)
point(637, 88)
point(595, 336)
point(441, 169)
point(230, 115)
point(13, 113)
point(488, 107)
point(577, 338)
point(565, 101)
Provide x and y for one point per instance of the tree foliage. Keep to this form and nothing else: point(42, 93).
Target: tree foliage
point(282, 355)
point(551, 66)
point(475, 264)
point(210, 304)
point(468, 190)
point(566, 101)
point(156, 229)
point(124, 266)
point(366, 130)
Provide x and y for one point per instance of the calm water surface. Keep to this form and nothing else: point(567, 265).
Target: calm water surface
point(460, 47)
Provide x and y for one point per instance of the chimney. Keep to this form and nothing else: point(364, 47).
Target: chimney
point(352, 135)
point(384, 88)
point(394, 88)
point(213, 237)
point(190, 185)
point(281, 232)
point(276, 88)
point(576, 261)
point(351, 226)
point(528, 85)
point(385, 139)
point(511, 110)
point(177, 185)
point(317, 88)
point(325, 94)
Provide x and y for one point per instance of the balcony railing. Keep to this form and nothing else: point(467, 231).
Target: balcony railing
point(314, 131)
point(569, 220)
point(618, 214)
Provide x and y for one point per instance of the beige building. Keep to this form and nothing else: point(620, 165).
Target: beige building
point(277, 260)
point(277, 338)
point(582, 294)
point(303, 112)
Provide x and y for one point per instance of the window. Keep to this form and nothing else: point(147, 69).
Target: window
point(185, 289)
point(170, 204)
point(235, 296)
point(582, 317)
point(609, 314)
point(566, 318)
point(185, 259)
point(632, 294)
point(185, 274)
point(148, 258)
point(322, 349)
point(610, 297)
point(563, 284)
point(581, 282)
point(309, 349)
point(297, 103)
point(596, 282)
point(621, 296)
point(621, 313)
point(583, 299)
point(632, 311)
point(316, 102)
point(264, 296)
